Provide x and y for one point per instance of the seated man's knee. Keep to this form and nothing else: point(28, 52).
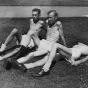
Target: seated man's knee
point(14, 31)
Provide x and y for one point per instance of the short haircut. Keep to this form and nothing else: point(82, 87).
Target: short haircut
point(38, 10)
point(54, 11)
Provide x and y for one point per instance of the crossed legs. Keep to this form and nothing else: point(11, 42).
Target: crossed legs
point(32, 55)
point(37, 63)
point(63, 51)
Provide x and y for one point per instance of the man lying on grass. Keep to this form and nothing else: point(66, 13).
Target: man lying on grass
point(72, 55)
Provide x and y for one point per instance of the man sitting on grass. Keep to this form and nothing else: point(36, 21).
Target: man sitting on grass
point(54, 31)
point(25, 40)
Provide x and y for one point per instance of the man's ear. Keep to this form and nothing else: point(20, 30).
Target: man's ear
point(39, 14)
point(56, 18)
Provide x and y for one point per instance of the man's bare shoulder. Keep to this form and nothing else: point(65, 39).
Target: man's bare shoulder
point(41, 21)
point(47, 21)
point(31, 19)
point(58, 23)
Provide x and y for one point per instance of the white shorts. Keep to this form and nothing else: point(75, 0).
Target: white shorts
point(31, 43)
point(84, 50)
point(46, 45)
point(75, 53)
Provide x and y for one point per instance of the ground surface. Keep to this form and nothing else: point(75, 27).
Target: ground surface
point(63, 75)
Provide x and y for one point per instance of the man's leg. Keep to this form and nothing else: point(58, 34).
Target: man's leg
point(9, 54)
point(9, 49)
point(37, 63)
point(32, 55)
point(23, 50)
point(27, 39)
point(64, 51)
point(7, 61)
point(14, 33)
point(36, 39)
point(18, 64)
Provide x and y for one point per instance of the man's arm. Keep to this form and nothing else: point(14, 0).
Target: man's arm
point(43, 31)
point(60, 29)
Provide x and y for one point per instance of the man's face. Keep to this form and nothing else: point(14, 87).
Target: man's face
point(51, 17)
point(35, 15)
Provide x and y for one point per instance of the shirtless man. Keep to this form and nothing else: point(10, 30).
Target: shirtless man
point(54, 31)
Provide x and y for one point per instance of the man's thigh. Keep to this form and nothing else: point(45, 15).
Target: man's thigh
point(40, 52)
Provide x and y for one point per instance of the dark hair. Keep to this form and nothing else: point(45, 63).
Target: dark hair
point(54, 11)
point(38, 10)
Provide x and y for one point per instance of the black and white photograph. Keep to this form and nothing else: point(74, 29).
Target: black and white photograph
point(43, 43)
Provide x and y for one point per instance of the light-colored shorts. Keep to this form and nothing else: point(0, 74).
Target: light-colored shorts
point(84, 50)
point(46, 45)
point(75, 53)
point(31, 43)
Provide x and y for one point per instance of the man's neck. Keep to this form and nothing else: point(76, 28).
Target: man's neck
point(51, 24)
point(35, 21)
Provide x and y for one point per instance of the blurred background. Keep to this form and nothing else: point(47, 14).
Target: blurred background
point(22, 8)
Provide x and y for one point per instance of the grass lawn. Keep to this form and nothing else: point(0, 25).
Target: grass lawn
point(62, 75)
